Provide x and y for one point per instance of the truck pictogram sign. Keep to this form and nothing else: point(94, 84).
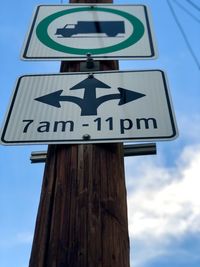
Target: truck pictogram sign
point(110, 28)
point(106, 32)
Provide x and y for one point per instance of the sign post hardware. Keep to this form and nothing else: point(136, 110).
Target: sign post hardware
point(82, 215)
point(129, 151)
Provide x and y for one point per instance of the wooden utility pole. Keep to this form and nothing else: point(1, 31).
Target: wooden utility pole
point(82, 215)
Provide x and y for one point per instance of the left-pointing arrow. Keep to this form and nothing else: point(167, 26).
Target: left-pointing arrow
point(54, 99)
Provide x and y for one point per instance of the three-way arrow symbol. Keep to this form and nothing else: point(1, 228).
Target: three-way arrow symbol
point(89, 103)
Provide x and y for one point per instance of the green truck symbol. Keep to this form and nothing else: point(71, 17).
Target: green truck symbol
point(110, 28)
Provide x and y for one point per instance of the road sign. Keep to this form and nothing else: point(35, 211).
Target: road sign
point(105, 31)
point(90, 108)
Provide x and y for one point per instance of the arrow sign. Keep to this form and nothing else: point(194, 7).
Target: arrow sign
point(54, 99)
point(125, 96)
point(108, 107)
point(89, 103)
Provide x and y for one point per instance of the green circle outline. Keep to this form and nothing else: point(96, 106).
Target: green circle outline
point(42, 32)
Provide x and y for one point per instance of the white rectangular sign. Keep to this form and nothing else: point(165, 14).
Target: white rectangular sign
point(90, 108)
point(106, 31)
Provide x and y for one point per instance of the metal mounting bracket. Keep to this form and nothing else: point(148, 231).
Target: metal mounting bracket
point(129, 150)
point(89, 64)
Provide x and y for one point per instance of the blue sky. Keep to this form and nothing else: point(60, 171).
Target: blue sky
point(163, 190)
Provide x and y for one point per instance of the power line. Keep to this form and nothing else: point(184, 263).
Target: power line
point(188, 12)
point(183, 34)
point(193, 4)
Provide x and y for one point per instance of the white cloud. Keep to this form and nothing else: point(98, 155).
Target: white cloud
point(189, 126)
point(163, 203)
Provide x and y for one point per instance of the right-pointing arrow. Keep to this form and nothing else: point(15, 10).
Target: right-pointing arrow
point(127, 96)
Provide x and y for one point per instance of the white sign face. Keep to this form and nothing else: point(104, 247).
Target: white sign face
point(105, 31)
point(90, 108)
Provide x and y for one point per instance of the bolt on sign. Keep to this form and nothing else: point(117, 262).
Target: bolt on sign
point(113, 106)
point(105, 31)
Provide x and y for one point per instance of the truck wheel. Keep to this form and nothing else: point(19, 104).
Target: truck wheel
point(66, 35)
point(112, 34)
